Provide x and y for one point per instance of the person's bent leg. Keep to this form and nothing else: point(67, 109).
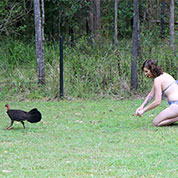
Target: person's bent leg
point(167, 116)
point(168, 122)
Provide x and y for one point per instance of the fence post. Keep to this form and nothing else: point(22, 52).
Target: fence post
point(61, 68)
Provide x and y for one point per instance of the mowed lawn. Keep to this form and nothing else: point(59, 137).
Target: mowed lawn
point(87, 138)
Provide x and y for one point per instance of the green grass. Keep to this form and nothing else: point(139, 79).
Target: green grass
point(87, 138)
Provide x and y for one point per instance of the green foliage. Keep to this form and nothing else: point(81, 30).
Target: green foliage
point(13, 18)
point(125, 14)
point(69, 14)
point(89, 71)
point(15, 54)
point(17, 18)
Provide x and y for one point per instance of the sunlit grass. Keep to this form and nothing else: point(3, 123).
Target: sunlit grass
point(87, 138)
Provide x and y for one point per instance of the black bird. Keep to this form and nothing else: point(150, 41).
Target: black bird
point(32, 116)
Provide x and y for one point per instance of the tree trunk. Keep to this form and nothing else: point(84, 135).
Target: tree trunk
point(136, 53)
point(71, 34)
point(42, 36)
point(162, 19)
point(172, 37)
point(91, 18)
point(97, 20)
point(115, 23)
point(39, 39)
point(149, 12)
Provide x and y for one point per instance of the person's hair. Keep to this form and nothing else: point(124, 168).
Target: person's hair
point(153, 67)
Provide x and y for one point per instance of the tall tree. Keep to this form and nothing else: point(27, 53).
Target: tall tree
point(149, 13)
point(91, 17)
point(97, 19)
point(163, 7)
point(136, 53)
point(171, 25)
point(39, 39)
point(115, 23)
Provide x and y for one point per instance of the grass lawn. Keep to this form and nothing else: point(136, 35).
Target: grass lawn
point(88, 139)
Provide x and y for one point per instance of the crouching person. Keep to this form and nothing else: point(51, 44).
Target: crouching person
point(163, 85)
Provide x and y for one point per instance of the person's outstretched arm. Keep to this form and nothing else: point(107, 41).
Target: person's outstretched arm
point(157, 101)
point(147, 100)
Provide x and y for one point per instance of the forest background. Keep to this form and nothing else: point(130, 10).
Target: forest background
point(98, 45)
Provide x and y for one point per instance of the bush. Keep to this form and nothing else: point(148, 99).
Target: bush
point(89, 71)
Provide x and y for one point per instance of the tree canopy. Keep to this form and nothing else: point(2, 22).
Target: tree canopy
point(71, 18)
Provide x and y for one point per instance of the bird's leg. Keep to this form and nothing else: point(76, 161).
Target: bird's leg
point(10, 126)
point(23, 124)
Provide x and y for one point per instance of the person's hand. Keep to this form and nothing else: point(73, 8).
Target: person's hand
point(139, 112)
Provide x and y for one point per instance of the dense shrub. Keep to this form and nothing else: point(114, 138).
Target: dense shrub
point(89, 71)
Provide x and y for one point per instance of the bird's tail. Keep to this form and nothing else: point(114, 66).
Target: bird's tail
point(34, 116)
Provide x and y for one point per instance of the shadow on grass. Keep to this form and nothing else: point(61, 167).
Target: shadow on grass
point(33, 129)
point(173, 125)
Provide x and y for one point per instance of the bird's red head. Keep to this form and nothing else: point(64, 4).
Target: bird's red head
point(7, 106)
